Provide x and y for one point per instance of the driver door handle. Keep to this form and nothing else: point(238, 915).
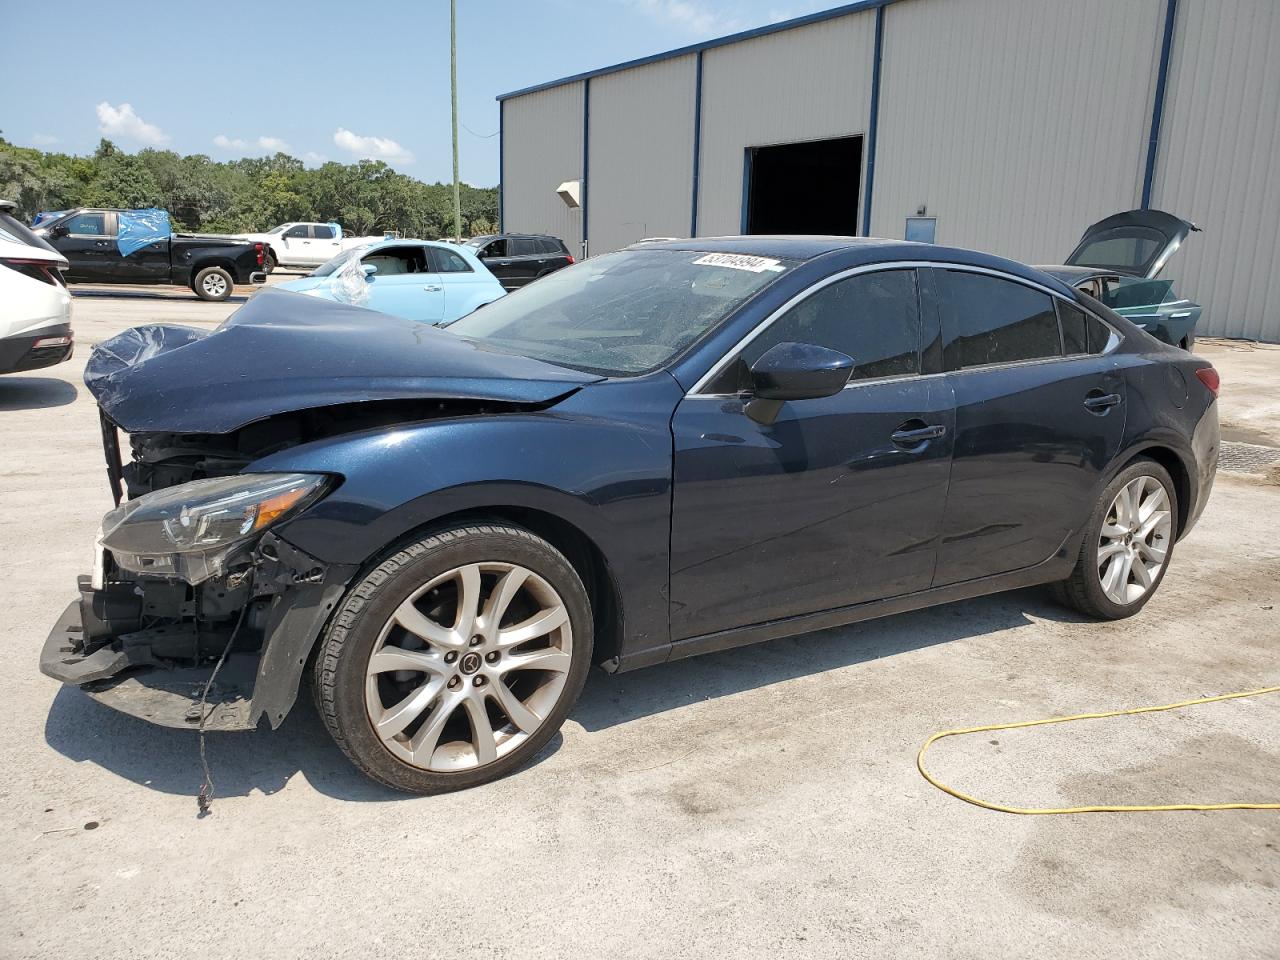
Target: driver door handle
point(432, 288)
point(911, 438)
point(1096, 401)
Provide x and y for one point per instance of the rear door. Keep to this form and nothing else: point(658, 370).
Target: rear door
point(841, 499)
point(324, 242)
point(1037, 421)
point(1138, 243)
point(527, 259)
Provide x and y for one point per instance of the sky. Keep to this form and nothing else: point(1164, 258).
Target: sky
point(322, 80)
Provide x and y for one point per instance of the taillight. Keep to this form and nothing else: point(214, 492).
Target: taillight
point(257, 248)
point(40, 270)
point(1209, 377)
point(570, 256)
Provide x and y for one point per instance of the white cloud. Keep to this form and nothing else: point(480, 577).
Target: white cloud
point(373, 148)
point(122, 122)
point(273, 144)
point(43, 139)
point(269, 144)
point(224, 142)
point(690, 16)
point(314, 158)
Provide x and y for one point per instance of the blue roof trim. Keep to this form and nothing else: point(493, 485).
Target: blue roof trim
point(869, 187)
point(1157, 110)
point(697, 144)
point(832, 14)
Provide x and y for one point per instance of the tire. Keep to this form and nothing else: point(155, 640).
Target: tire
point(268, 261)
point(212, 283)
point(1097, 587)
point(1188, 342)
point(427, 690)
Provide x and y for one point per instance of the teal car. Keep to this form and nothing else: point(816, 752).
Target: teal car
point(1118, 261)
point(434, 283)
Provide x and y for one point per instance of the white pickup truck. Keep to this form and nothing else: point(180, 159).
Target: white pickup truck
point(304, 244)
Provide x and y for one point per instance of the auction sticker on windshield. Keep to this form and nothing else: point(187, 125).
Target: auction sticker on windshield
point(740, 261)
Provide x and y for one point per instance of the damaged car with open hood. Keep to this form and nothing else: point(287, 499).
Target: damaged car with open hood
point(668, 450)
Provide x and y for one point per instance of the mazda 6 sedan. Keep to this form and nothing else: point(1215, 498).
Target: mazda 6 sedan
point(673, 449)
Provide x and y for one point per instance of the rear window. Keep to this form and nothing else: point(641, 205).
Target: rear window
point(322, 233)
point(522, 247)
point(15, 231)
point(1081, 333)
point(447, 261)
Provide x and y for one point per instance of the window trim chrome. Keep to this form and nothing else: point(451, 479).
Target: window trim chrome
point(718, 367)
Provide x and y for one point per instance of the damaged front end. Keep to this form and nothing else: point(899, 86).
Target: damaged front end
point(179, 586)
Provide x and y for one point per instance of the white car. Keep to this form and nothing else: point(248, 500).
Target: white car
point(35, 307)
point(304, 244)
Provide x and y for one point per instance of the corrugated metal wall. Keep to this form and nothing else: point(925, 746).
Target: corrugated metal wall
point(542, 148)
point(809, 83)
point(1217, 162)
point(641, 167)
point(1016, 123)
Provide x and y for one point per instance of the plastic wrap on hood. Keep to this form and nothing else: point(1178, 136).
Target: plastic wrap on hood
point(138, 228)
point(44, 216)
point(348, 284)
point(134, 346)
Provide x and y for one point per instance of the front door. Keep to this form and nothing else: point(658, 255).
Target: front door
point(295, 246)
point(494, 256)
point(1036, 422)
point(840, 500)
point(405, 284)
point(88, 244)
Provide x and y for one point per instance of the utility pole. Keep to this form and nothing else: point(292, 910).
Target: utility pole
point(453, 85)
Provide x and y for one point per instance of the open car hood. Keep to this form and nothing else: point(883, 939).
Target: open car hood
point(1138, 243)
point(283, 352)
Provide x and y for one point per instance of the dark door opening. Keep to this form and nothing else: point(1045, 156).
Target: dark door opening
point(809, 187)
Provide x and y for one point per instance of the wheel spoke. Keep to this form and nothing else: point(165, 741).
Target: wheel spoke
point(1114, 531)
point(395, 658)
point(425, 741)
point(1153, 502)
point(396, 718)
point(550, 659)
point(500, 599)
point(1116, 576)
point(1141, 574)
point(1152, 522)
point(482, 739)
point(1108, 550)
point(413, 620)
point(468, 602)
point(516, 711)
point(1124, 507)
point(1155, 552)
point(540, 624)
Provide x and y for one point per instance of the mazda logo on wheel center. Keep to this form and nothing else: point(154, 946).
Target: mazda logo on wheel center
point(470, 663)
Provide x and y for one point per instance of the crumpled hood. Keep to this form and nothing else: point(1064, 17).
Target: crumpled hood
point(283, 352)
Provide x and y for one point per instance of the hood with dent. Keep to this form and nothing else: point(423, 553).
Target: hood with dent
point(284, 352)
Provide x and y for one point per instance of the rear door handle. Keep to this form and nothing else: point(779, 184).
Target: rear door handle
point(913, 438)
point(1098, 402)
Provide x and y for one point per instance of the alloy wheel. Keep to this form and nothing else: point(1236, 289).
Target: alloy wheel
point(215, 285)
point(468, 667)
point(1134, 540)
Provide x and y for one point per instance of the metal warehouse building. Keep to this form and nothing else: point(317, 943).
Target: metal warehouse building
point(1003, 125)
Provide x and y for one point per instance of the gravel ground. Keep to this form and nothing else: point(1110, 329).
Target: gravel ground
point(757, 803)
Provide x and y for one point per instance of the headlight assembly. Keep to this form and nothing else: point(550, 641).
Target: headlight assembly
point(190, 530)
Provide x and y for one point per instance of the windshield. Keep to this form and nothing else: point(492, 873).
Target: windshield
point(622, 313)
point(336, 263)
point(279, 229)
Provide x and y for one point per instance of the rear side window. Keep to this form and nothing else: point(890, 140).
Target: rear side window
point(549, 246)
point(87, 225)
point(522, 247)
point(447, 261)
point(989, 320)
point(322, 232)
point(872, 317)
point(1081, 333)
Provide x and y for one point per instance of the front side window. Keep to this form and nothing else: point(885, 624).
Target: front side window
point(392, 261)
point(989, 320)
point(87, 225)
point(621, 313)
point(333, 264)
point(299, 232)
point(496, 248)
point(447, 261)
point(872, 317)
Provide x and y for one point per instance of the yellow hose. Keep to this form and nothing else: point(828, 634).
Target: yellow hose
point(1103, 808)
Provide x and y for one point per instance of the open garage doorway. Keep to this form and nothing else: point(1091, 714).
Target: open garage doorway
point(809, 187)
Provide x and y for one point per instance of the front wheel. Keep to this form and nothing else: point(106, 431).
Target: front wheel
point(212, 283)
point(1127, 544)
point(456, 659)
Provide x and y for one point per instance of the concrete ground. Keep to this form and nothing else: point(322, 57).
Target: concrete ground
point(760, 802)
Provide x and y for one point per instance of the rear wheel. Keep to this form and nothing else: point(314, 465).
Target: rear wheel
point(1127, 545)
point(268, 261)
point(456, 659)
point(212, 283)
point(1188, 342)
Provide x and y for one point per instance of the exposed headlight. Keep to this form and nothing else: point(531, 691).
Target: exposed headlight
point(190, 530)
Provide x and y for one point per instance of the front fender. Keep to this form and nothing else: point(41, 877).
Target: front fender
point(606, 472)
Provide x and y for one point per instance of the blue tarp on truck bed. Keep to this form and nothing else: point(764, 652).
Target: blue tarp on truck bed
point(138, 228)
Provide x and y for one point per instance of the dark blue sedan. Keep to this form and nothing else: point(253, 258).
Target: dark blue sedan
point(659, 452)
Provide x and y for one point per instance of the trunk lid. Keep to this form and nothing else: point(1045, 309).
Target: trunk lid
point(1138, 242)
point(283, 352)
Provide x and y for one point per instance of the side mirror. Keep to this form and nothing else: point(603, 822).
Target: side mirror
point(58, 230)
point(369, 270)
point(795, 371)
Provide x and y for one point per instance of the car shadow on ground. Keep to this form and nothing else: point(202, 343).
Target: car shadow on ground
point(164, 293)
point(264, 760)
point(34, 393)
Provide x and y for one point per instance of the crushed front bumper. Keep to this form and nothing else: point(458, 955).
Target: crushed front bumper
point(145, 672)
